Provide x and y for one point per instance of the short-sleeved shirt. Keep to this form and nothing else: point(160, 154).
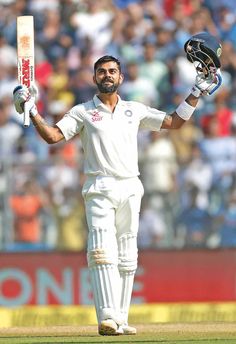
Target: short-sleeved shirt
point(109, 139)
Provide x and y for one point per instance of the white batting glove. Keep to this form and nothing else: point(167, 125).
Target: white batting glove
point(34, 92)
point(206, 85)
point(22, 94)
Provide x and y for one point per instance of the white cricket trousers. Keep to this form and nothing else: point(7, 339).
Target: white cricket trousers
point(112, 208)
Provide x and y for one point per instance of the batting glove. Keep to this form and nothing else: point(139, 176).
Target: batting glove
point(22, 94)
point(206, 85)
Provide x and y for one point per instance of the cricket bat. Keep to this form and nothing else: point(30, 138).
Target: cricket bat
point(25, 56)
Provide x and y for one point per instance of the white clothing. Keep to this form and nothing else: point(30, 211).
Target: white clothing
point(142, 90)
point(94, 25)
point(10, 134)
point(112, 209)
point(159, 166)
point(151, 226)
point(7, 56)
point(112, 195)
point(199, 173)
point(109, 139)
point(220, 152)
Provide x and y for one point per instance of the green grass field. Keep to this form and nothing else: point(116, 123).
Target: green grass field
point(199, 333)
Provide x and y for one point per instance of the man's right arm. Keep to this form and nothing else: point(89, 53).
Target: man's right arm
point(21, 94)
point(51, 134)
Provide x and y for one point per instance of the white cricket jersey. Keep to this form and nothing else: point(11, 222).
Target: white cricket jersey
point(109, 139)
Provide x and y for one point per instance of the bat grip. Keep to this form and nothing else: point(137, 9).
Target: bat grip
point(26, 114)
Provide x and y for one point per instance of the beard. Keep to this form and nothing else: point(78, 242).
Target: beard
point(103, 88)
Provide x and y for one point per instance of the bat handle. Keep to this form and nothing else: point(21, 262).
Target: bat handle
point(26, 115)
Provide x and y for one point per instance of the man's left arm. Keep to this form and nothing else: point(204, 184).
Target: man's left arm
point(204, 86)
point(174, 120)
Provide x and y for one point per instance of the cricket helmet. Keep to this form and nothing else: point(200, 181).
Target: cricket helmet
point(205, 49)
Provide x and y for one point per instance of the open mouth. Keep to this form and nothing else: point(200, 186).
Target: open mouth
point(107, 82)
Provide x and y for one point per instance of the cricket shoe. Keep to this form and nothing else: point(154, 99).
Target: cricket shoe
point(125, 329)
point(108, 327)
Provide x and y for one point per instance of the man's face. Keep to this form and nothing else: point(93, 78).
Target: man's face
point(108, 77)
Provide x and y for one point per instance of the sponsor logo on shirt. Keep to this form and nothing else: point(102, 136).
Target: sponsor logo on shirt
point(96, 116)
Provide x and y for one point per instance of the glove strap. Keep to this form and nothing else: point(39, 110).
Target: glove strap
point(218, 84)
point(196, 92)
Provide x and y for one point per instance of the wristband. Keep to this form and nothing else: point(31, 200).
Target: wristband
point(196, 92)
point(33, 111)
point(184, 110)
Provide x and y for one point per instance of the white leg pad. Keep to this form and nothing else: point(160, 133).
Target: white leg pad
point(127, 280)
point(128, 255)
point(105, 277)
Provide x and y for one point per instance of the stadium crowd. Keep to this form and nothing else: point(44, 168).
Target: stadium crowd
point(189, 176)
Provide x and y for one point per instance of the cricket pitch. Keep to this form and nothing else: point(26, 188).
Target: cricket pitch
point(179, 333)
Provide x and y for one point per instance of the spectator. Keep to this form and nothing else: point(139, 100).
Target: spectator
point(159, 168)
point(152, 227)
point(220, 152)
point(94, 21)
point(81, 84)
point(154, 69)
point(54, 38)
point(222, 114)
point(188, 134)
point(138, 88)
point(10, 132)
point(27, 204)
point(194, 221)
point(71, 222)
point(7, 54)
point(130, 47)
point(159, 164)
point(166, 44)
point(227, 231)
point(198, 175)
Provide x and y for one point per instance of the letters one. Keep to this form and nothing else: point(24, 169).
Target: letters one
point(42, 287)
point(20, 288)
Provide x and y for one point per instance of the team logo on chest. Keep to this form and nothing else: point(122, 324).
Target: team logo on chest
point(128, 113)
point(96, 116)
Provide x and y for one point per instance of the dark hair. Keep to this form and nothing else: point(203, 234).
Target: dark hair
point(104, 59)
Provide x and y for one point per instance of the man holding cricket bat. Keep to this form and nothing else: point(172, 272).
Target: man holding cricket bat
point(108, 128)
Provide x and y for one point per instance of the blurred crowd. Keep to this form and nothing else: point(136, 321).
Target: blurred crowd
point(189, 175)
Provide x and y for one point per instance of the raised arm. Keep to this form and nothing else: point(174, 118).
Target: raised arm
point(204, 51)
point(51, 134)
point(204, 85)
point(174, 121)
